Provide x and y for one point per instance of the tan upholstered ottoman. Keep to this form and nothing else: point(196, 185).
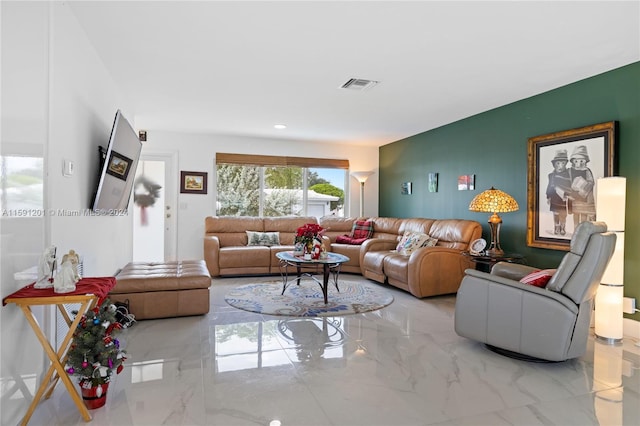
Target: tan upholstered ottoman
point(164, 289)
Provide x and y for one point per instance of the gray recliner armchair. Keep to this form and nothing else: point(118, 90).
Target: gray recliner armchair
point(550, 323)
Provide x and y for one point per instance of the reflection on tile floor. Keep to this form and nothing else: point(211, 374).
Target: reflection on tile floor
point(402, 365)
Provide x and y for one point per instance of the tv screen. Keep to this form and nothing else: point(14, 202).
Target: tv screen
point(117, 168)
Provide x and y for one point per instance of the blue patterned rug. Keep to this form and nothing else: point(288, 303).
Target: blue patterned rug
point(306, 300)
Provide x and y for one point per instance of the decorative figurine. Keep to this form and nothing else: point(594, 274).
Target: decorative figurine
point(46, 268)
point(68, 276)
point(74, 258)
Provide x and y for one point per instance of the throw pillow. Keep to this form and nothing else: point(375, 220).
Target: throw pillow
point(345, 239)
point(430, 242)
point(255, 238)
point(362, 229)
point(539, 278)
point(411, 241)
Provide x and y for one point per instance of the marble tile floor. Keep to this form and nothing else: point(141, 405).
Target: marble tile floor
point(402, 365)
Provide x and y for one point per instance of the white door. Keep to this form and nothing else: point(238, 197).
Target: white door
point(154, 200)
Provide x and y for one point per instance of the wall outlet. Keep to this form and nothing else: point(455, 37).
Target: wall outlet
point(629, 305)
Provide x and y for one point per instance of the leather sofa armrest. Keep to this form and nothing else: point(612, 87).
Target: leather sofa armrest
point(428, 265)
point(379, 244)
point(376, 244)
point(514, 271)
point(211, 254)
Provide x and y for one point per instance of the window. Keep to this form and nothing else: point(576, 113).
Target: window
point(250, 185)
point(21, 184)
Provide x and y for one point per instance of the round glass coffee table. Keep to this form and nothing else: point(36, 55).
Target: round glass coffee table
point(330, 266)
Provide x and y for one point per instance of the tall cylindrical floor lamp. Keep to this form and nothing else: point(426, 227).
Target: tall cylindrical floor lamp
point(362, 178)
point(610, 208)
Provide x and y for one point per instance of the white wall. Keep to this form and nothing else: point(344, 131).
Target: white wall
point(57, 100)
point(84, 100)
point(196, 152)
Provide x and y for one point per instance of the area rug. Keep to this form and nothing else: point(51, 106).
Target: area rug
point(306, 300)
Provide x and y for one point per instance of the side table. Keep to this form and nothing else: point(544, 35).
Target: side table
point(485, 262)
point(88, 293)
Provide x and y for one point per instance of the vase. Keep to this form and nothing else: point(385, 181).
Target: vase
point(93, 396)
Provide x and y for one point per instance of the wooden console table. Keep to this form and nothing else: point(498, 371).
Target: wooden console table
point(88, 293)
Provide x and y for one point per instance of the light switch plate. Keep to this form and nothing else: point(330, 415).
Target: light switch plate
point(67, 168)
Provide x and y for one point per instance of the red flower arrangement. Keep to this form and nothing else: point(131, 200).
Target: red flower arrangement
point(307, 233)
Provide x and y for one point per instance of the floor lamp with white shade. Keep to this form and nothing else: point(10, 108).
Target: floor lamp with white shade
point(362, 178)
point(610, 208)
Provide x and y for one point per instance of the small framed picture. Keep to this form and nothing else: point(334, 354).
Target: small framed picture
point(466, 182)
point(193, 182)
point(119, 165)
point(433, 182)
point(405, 188)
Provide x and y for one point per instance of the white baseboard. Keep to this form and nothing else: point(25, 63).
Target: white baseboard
point(631, 328)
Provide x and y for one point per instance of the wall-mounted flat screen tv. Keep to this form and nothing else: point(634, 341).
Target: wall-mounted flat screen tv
point(117, 168)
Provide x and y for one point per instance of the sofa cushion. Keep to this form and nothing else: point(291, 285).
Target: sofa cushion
point(538, 278)
point(362, 229)
point(345, 239)
point(255, 238)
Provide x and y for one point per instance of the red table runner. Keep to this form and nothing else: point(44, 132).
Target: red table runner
point(100, 286)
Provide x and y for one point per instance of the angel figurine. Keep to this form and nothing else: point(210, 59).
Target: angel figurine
point(46, 268)
point(74, 258)
point(68, 276)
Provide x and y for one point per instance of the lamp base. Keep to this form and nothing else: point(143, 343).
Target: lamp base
point(608, 340)
point(495, 252)
point(495, 222)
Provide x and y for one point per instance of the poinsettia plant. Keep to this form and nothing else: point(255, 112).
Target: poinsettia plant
point(95, 352)
point(308, 232)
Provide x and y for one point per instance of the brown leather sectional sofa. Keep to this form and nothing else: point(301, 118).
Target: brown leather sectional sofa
point(428, 271)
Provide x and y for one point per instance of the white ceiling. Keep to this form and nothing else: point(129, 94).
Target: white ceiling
point(240, 67)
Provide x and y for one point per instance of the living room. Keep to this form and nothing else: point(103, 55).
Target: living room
point(59, 98)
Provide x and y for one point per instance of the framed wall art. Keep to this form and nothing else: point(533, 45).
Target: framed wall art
point(433, 182)
point(119, 165)
point(563, 168)
point(466, 182)
point(193, 182)
point(405, 188)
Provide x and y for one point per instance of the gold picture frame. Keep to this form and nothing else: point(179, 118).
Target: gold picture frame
point(559, 197)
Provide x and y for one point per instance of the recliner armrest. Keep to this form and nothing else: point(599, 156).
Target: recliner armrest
point(483, 278)
point(514, 271)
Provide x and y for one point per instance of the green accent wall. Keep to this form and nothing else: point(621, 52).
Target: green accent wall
point(493, 146)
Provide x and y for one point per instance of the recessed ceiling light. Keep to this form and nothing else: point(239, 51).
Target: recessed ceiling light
point(279, 126)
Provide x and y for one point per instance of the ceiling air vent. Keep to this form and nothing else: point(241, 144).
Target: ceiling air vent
point(358, 84)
